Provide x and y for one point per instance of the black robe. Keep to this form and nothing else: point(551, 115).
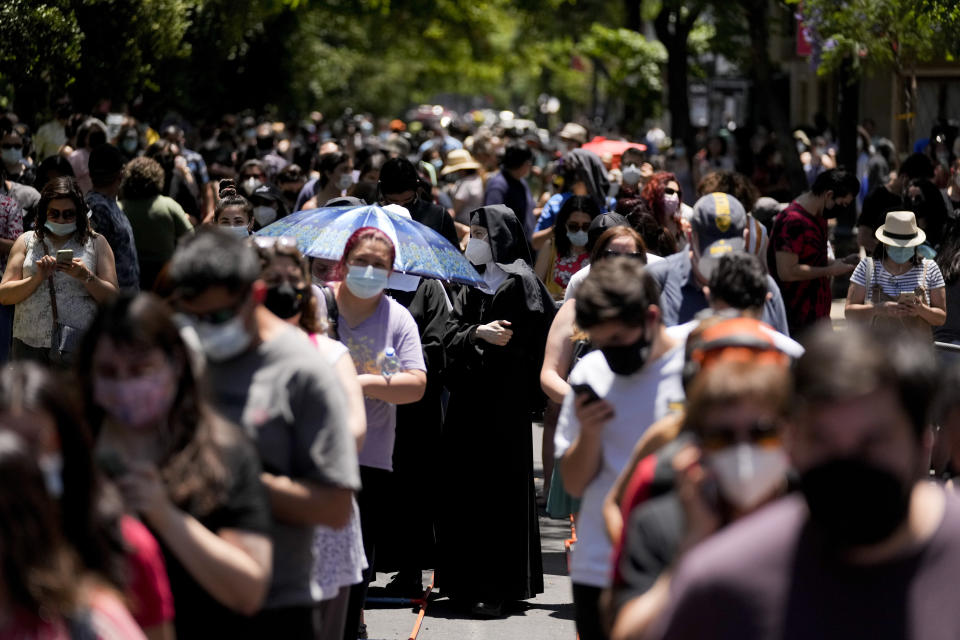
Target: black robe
point(488, 533)
point(411, 541)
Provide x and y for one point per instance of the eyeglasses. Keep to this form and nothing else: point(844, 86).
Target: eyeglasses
point(573, 227)
point(66, 214)
point(763, 433)
point(669, 192)
point(11, 145)
point(610, 253)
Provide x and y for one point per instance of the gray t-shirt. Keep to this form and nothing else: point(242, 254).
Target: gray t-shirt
point(288, 400)
point(769, 576)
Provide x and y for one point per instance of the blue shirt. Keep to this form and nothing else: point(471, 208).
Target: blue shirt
point(112, 223)
point(548, 217)
point(681, 296)
point(505, 189)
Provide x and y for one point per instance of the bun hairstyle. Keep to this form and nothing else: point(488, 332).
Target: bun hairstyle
point(229, 196)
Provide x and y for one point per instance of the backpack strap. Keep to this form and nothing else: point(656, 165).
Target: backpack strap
point(333, 313)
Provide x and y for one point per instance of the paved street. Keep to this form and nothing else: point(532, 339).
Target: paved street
point(549, 616)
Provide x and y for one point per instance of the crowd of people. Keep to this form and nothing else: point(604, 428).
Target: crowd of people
point(204, 431)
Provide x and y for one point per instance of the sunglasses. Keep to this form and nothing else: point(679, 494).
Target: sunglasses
point(573, 227)
point(66, 214)
point(670, 192)
point(10, 145)
point(763, 433)
point(610, 253)
point(220, 316)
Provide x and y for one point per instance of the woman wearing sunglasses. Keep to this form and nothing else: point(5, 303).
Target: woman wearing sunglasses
point(567, 250)
point(665, 200)
point(56, 275)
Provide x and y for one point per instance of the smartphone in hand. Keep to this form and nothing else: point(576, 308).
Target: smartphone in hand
point(65, 256)
point(584, 389)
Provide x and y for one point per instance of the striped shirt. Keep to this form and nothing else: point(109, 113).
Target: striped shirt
point(893, 285)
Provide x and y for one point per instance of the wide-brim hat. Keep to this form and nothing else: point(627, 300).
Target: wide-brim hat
point(900, 230)
point(575, 132)
point(459, 160)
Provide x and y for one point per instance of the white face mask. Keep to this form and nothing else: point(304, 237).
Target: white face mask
point(366, 282)
point(478, 252)
point(241, 230)
point(264, 215)
point(631, 175)
point(250, 185)
point(223, 341)
point(747, 474)
point(578, 238)
point(12, 156)
point(345, 182)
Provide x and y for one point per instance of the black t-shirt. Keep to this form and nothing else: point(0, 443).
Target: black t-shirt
point(878, 203)
point(198, 614)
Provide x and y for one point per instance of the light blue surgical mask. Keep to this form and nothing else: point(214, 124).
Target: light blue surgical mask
point(900, 255)
point(578, 239)
point(60, 229)
point(223, 341)
point(241, 230)
point(366, 282)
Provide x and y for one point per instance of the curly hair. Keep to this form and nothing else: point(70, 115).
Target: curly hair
point(653, 194)
point(142, 178)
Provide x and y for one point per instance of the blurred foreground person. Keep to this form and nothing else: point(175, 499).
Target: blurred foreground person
point(870, 549)
point(45, 593)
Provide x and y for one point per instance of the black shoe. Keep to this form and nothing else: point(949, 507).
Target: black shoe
point(406, 584)
point(488, 609)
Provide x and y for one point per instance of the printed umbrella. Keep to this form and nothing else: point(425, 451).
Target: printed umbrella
point(421, 251)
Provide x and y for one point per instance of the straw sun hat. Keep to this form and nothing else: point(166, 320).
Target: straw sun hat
point(901, 230)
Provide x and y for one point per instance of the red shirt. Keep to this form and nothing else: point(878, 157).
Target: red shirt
point(151, 601)
point(798, 231)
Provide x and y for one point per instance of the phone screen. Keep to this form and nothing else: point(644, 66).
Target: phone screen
point(65, 256)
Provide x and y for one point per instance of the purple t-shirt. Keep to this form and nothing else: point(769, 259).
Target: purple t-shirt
point(769, 577)
point(391, 325)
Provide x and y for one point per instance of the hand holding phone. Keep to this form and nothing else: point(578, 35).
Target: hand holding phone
point(584, 389)
point(65, 256)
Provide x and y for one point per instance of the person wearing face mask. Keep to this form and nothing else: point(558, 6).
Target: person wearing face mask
point(56, 297)
point(897, 286)
point(106, 174)
point(727, 462)
point(111, 543)
point(495, 340)
point(158, 222)
point(268, 206)
point(252, 176)
point(583, 174)
point(340, 557)
point(191, 477)
point(665, 200)
point(630, 380)
point(265, 377)
point(797, 255)
point(868, 543)
point(567, 253)
point(336, 176)
point(373, 326)
point(233, 212)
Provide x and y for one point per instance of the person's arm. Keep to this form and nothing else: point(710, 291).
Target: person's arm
point(181, 221)
point(581, 462)
point(305, 503)
point(232, 565)
point(866, 238)
point(638, 615)
point(558, 353)
point(14, 288)
point(935, 313)
point(353, 392)
point(540, 238)
point(405, 387)
point(543, 265)
point(789, 268)
point(208, 203)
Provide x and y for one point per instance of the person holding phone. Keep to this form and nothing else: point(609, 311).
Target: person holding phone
point(897, 286)
point(631, 380)
point(57, 274)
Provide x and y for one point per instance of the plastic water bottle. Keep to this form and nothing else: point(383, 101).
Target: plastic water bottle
point(389, 363)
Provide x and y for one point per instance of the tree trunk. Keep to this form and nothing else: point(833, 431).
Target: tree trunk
point(758, 25)
point(847, 117)
point(675, 41)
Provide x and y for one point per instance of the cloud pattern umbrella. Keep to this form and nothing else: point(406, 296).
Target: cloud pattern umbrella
point(421, 251)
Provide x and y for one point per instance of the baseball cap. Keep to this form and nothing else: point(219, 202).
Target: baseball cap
point(718, 220)
point(603, 222)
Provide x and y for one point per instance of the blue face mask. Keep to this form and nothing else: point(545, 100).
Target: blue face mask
point(366, 282)
point(900, 255)
point(60, 229)
point(578, 239)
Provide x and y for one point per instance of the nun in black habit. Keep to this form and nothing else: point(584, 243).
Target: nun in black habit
point(488, 533)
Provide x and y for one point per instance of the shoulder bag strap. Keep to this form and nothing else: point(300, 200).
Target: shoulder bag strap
point(867, 277)
point(333, 313)
point(53, 295)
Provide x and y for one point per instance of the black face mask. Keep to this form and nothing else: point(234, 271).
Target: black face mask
point(854, 503)
point(627, 359)
point(285, 301)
